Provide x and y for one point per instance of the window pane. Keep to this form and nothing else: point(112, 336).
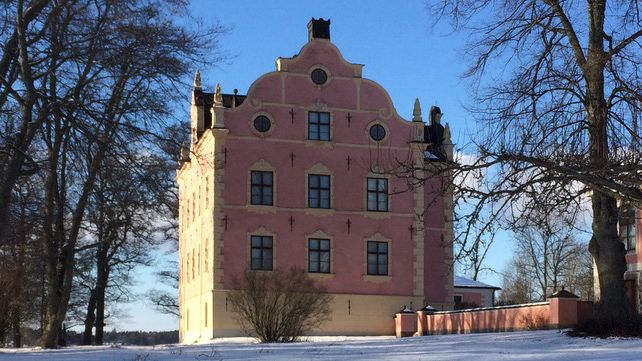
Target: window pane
point(372, 247)
point(256, 263)
point(314, 266)
point(267, 241)
point(324, 257)
point(324, 267)
point(324, 244)
point(267, 178)
point(372, 259)
point(383, 185)
point(372, 184)
point(324, 134)
point(256, 241)
point(314, 256)
point(256, 177)
point(324, 118)
point(382, 247)
point(372, 268)
point(313, 244)
point(313, 116)
point(313, 202)
point(324, 181)
point(313, 181)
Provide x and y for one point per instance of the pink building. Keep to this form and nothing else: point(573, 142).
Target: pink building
point(304, 171)
point(470, 293)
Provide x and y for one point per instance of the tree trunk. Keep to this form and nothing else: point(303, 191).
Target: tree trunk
point(605, 246)
point(16, 313)
point(102, 275)
point(90, 319)
point(608, 252)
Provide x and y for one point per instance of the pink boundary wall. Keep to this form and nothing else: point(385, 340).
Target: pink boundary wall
point(554, 313)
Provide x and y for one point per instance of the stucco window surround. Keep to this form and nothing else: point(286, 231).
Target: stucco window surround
point(370, 125)
point(377, 237)
point(250, 123)
point(327, 72)
point(319, 234)
point(261, 232)
point(319, 169)
point(262, 166)
point(319, 107)
point(375, 173)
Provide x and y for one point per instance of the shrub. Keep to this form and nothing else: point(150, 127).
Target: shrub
point(536, 322)
point(279, 306)
point(465, 305)
point(599, 327)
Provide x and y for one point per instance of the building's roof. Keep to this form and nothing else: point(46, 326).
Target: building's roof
point(468, 283)
point(229, 100)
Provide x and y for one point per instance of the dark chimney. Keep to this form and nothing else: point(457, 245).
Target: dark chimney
point(319, 29)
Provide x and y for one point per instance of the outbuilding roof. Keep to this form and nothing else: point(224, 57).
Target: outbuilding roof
point(468, 283)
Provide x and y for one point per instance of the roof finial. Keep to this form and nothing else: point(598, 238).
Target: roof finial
point(416, 111)
point(447, 134)
point(218, 96)
point(197, 80)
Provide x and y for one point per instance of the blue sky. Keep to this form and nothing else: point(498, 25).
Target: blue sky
point(394, 39)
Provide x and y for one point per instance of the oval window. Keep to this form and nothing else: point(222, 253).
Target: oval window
point(262, 123)
point(319, 76)
point(377, 132)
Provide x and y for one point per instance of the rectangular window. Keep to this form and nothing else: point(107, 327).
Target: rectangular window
point(378, 194)
point(628, 231)
point(262, 183)
point(458, 300)
point(318, 255)
point(193, 266)
point(377, 258)
point(261, 256)
point(318, 191)
point(318, 126)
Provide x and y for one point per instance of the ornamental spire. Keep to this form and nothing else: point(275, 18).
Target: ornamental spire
point(416, 111)
point(197, 80)
point(218, 96)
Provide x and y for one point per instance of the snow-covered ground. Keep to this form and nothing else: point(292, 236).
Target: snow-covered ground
point(534, 345)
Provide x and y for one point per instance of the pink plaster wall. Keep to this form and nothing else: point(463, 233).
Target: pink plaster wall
point(276, 94)
point(556, 313)
point(471, 297)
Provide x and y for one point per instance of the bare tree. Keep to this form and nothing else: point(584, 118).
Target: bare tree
point(549, 253)
point(279, 306)
point(559, 119)
point(166, 301)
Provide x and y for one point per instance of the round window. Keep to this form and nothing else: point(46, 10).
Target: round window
point(377, 132)
point(262, 123)
point(319, 76)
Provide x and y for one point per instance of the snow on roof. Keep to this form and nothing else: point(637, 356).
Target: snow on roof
point(466, 282)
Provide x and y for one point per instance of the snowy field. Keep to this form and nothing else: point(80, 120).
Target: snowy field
point(534, 345)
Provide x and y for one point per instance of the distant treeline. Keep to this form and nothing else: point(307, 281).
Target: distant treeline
point(141, 338)
point(72, 338)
